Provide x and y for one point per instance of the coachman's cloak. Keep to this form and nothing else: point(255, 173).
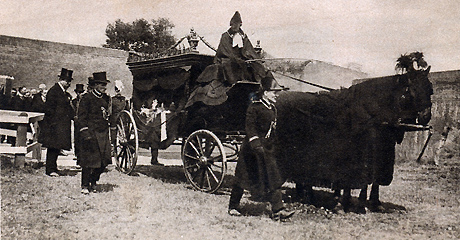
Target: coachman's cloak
point(229, 67)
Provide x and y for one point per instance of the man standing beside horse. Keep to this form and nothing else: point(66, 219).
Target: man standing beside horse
point(257, 169)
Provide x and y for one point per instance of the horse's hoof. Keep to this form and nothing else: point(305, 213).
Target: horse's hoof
point(338, 209)
point(361, 210)
point(377, 208)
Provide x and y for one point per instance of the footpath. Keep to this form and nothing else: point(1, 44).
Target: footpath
point(168, 157)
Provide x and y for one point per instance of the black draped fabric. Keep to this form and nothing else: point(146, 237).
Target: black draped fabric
point(337, 137)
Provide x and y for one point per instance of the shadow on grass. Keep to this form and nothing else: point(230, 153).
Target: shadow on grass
point(168, 174)
point(325, 199)
point(69, 172)
point(105, 187)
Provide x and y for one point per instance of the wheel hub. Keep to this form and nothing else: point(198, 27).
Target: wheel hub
point(203, 160)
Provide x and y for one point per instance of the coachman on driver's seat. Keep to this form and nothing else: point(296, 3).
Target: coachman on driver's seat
point(230, 66)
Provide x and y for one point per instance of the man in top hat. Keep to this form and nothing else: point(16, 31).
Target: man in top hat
point(93, 121)
point(79, 90)
point(257, 169)
point(55, 134)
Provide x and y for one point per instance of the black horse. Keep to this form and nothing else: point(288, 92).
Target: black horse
point(345, 139)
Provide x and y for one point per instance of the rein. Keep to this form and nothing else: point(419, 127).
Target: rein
point(303, 81)
point(417, 127)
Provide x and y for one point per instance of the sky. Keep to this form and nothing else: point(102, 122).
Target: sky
point(365, 34)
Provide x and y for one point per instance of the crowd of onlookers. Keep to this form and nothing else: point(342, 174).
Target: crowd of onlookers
point(24, 99)
point(21, 99)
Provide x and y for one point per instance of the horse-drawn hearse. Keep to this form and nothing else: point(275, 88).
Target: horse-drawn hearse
point(167, 109)
point(344, 139)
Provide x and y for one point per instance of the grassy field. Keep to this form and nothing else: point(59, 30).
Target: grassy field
point(157, 203)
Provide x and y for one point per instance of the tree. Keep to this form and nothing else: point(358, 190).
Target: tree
point(140, 35)
point(405, 63)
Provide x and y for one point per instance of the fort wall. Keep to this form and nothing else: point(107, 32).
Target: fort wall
point(32, 62)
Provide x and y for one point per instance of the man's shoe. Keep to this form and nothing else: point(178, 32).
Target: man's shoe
point(156, 163)
point(282, 215)
point(85, 191)
point(93, 187)
point(234, 212)
point(53, 174)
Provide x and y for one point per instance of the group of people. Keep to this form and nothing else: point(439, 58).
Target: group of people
point(23, 99)
point(92, 113)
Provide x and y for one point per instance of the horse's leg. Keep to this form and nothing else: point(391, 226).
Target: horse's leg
point(337, 194)
point(300, 190)
point(346, 199)
point(338, 205)
point(374, 201)
point(309, 195)
point(362, 200)
point(363, 194)
point(305, 193)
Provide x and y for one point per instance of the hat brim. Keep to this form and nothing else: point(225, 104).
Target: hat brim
point(278, 89)
point(65, 79)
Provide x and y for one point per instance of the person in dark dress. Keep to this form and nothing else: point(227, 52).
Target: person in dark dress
point(233, 51)
point(119, 103)
point(79, 90)
point(93, 121)
point(55, 133)
point(234, 62)
point(256, 168)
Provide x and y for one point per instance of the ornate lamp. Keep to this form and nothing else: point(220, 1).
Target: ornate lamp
point(193, 40)
point(258, 48)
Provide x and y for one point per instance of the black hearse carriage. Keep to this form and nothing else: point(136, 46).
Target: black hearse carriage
point(210, 132)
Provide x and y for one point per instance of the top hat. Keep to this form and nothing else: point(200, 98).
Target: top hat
point(79, 88)
point(98, 77)
point(266, 83)
point(236, 18)
point(66, 75)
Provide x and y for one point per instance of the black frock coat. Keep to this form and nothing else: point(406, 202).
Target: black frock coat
point(93, 120)
point(56, 125)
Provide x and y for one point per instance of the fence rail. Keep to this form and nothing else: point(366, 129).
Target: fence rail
point(21, 121)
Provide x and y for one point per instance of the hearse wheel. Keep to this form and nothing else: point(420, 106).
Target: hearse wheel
point(204, 159)
point(127, 143)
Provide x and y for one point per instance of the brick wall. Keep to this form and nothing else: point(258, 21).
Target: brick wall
point(32, 62)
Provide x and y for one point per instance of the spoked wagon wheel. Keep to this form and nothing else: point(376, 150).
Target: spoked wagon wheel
point(127, 143)
point(205, 162)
